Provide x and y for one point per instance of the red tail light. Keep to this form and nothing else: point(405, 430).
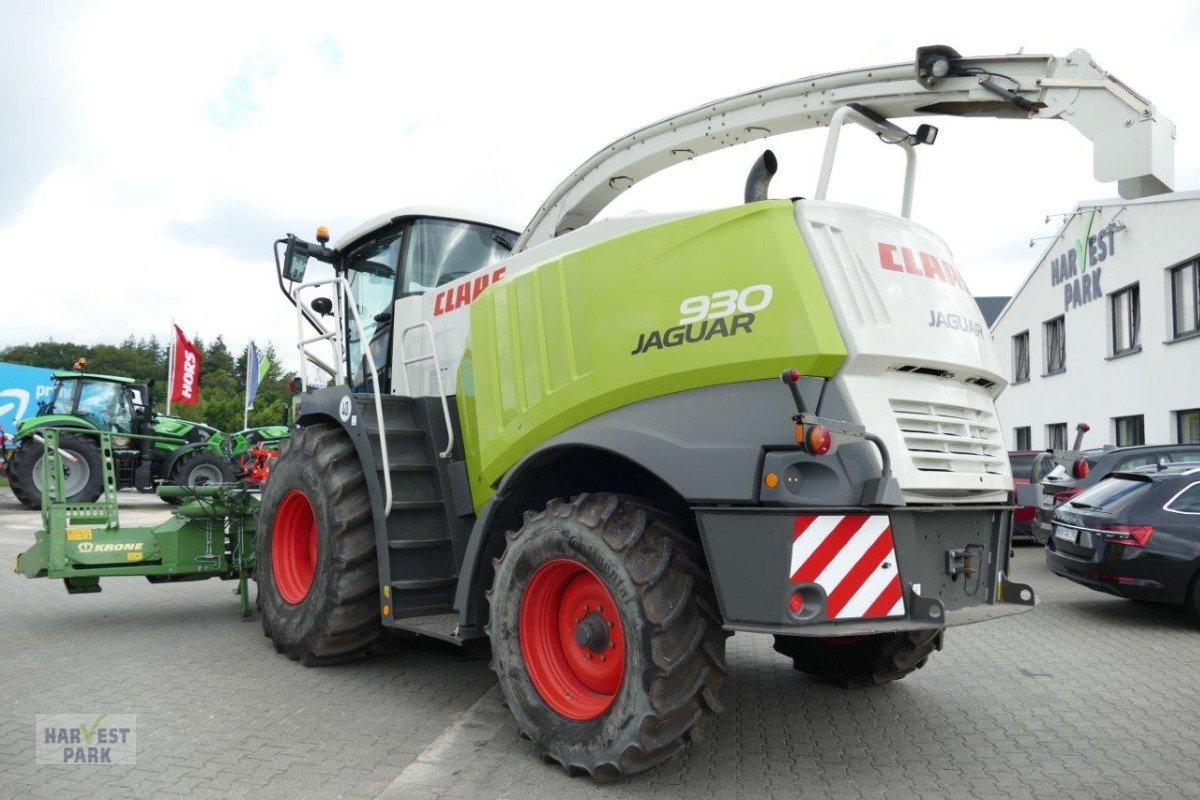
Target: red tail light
point(818, 440)
point(1082, 468)
point(1062, 497)
point(1130, 535)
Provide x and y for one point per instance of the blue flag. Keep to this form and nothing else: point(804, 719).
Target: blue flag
point(257, 365)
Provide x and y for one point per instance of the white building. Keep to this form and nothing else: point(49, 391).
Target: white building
point(1106, 329)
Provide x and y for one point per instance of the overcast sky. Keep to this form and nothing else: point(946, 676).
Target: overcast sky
point(153, 151)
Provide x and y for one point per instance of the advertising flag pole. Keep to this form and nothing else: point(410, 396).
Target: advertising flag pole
point(246, 396)
point(171, 367)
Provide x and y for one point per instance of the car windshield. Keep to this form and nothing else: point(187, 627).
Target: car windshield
point(1112, 493)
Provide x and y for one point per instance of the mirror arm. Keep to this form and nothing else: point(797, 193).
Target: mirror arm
point(279, 275)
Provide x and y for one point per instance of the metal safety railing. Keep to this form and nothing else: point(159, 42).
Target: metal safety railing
point(343, 299)
point(432, 355)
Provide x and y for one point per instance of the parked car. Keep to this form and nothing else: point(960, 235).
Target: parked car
point(1021, 462)
point(1095, 465)
point(1134, 534)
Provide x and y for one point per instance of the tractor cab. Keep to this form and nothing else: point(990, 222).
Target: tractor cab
point(109, 403)
point(384, 270)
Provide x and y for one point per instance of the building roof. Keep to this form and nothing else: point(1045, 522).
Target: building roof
point(991, 307)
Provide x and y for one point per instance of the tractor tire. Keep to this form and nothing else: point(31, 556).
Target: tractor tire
point(315, 562)
point(854, 662)
point(201, 468)
point(84, 479)
point(604, 636)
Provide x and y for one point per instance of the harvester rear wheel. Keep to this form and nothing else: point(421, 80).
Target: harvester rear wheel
point(854, 662)
point(84, 477)
point(318, 580)
point(604, 636)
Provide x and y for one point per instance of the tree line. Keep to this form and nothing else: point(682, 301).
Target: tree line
point(222, 376)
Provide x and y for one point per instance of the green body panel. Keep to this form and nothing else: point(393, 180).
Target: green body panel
point(552, 346)
point(29, 424)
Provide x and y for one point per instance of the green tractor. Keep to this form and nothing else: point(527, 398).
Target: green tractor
point(185, 453)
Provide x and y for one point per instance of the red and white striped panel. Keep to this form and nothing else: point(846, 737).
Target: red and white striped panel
point(845, 556)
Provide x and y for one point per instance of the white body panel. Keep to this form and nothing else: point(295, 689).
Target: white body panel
point(921, 370)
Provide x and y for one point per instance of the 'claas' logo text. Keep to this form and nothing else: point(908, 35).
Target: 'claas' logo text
point(929, 266)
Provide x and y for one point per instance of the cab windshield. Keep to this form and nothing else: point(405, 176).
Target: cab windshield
point(105, 405)
point(371, 270)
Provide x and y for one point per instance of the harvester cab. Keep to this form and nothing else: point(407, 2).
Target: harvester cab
point(575, 441)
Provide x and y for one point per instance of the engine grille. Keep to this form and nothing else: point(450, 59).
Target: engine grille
point(947, 438)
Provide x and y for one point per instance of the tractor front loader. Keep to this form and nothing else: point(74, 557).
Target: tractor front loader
point(605, 446)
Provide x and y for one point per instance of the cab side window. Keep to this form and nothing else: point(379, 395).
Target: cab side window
point(440, 250)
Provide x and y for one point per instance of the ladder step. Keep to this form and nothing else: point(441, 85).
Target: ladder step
point(416, 505)
point(407, 468)
point(423, 583)
point(418, 544)
point(439, 625)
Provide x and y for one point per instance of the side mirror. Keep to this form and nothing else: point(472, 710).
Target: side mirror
point(294, 385)
point(295, 259)
point(322, 305)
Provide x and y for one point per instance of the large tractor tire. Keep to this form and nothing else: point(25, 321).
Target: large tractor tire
point(83, 477)
point(855, 662)
point(200, 468)
point(318, 580)
point(604, 635)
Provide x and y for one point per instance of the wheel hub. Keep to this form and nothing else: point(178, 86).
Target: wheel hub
point(591, 632)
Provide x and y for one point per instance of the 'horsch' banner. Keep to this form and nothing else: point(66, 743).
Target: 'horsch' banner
point(185, 381)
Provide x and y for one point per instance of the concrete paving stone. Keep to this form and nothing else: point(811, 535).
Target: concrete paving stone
point(1086, 696)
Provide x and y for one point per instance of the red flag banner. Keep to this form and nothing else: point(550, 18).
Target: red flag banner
point(185, 381)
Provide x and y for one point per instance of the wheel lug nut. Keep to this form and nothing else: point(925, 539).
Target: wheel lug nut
point(601, 658)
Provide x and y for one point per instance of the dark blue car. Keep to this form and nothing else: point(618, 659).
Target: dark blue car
point(1134, 534)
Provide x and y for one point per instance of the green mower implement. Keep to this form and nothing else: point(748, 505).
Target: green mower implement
point(210, 534)
point(148, 448)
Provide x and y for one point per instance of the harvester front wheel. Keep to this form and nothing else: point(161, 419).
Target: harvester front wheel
point(83, 471)
point(855, 662)
point(318, 580)
point(604, 638)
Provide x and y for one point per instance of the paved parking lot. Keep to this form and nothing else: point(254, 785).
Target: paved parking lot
point(1085, 696)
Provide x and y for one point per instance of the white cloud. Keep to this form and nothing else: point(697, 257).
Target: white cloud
point(203, 135)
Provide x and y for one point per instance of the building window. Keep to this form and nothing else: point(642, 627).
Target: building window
point(1187, 426)
point(1130, 430)
point(1023, 438)
point(1020, 351)
point(1056, 436)
point(1185, 299)
point(1055, 336)
point(1126, 321)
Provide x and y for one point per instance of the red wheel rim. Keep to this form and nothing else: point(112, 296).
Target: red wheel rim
point(572, 639)
point(294, 547)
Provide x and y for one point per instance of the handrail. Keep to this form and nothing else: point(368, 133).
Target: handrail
point(848, 114)
point(437, 369)
point(345, 299)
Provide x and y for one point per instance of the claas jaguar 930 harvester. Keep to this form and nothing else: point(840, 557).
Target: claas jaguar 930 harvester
point(607, 445)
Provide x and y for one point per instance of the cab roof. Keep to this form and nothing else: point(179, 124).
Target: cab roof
point(441, 212)
point(67, 375)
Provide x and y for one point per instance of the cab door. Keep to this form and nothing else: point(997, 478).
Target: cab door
point(439, 253)
point(371, 269)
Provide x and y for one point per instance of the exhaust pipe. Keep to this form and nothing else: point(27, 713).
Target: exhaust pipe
point(760, 176)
